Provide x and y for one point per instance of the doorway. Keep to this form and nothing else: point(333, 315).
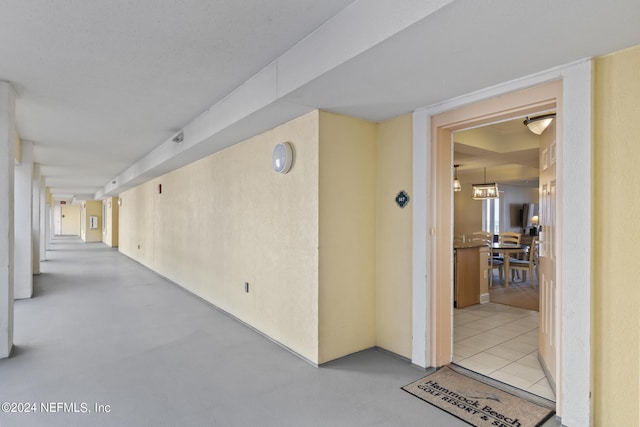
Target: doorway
point(69, 220)
point(499, 336)
point(511, 106)
point(432, 261)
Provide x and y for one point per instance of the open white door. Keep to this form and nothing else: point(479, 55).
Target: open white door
point(549, 320)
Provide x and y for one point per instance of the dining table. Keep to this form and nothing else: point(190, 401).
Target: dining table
point(507, 250)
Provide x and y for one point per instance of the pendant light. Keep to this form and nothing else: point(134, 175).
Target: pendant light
point(485, 191)
point(456, 181)
point(538, 124)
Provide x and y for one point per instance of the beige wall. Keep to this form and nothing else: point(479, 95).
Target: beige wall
point(347, 235)
point(316, 245)
point(91, 208)
point(229, 219)
point(83, 220)
point(394, 236)
point(616, 293)
point(136, 219)
point(110, 233)
point(467, 213)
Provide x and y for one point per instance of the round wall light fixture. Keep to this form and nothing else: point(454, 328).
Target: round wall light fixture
point(282, 157)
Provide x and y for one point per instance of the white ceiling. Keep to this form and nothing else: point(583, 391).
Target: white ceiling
point(103, 85)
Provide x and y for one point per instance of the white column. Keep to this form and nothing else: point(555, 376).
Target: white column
point(7, 164)
point(23, 200)
point(44, 236)
point(48, 232)
point(35, 219)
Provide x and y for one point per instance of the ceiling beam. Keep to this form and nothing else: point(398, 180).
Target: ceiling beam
point(262, 98)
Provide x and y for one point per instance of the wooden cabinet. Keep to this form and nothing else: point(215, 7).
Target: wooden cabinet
point(467, 276)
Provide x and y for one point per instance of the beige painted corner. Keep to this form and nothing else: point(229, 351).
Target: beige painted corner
point(347, 202)
point(393, 236)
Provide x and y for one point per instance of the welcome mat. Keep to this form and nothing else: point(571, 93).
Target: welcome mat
point(477, 403)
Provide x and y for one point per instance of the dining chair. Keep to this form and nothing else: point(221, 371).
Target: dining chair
point(486, 238)
point(495, 264)
point(482, 236)
point(528, 264)
point(509, 237)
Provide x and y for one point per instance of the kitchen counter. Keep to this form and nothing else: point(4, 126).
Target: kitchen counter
point(466, 276)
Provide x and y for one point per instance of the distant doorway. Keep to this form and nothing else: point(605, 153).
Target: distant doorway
point(69, 220)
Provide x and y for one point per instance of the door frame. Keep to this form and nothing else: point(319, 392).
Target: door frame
point(432, 229)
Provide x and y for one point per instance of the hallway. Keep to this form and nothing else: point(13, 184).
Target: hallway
point(103, 329)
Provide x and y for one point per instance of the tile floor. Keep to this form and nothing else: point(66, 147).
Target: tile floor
point(501, 342)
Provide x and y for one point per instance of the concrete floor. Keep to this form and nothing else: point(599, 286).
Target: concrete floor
point(102, 329)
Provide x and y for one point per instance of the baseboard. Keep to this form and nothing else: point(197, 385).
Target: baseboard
point(484, 298)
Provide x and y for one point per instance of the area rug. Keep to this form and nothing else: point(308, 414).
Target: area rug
point(477, 403)
point(520, 294)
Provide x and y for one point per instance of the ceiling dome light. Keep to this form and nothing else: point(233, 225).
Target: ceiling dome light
point(538, 124)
